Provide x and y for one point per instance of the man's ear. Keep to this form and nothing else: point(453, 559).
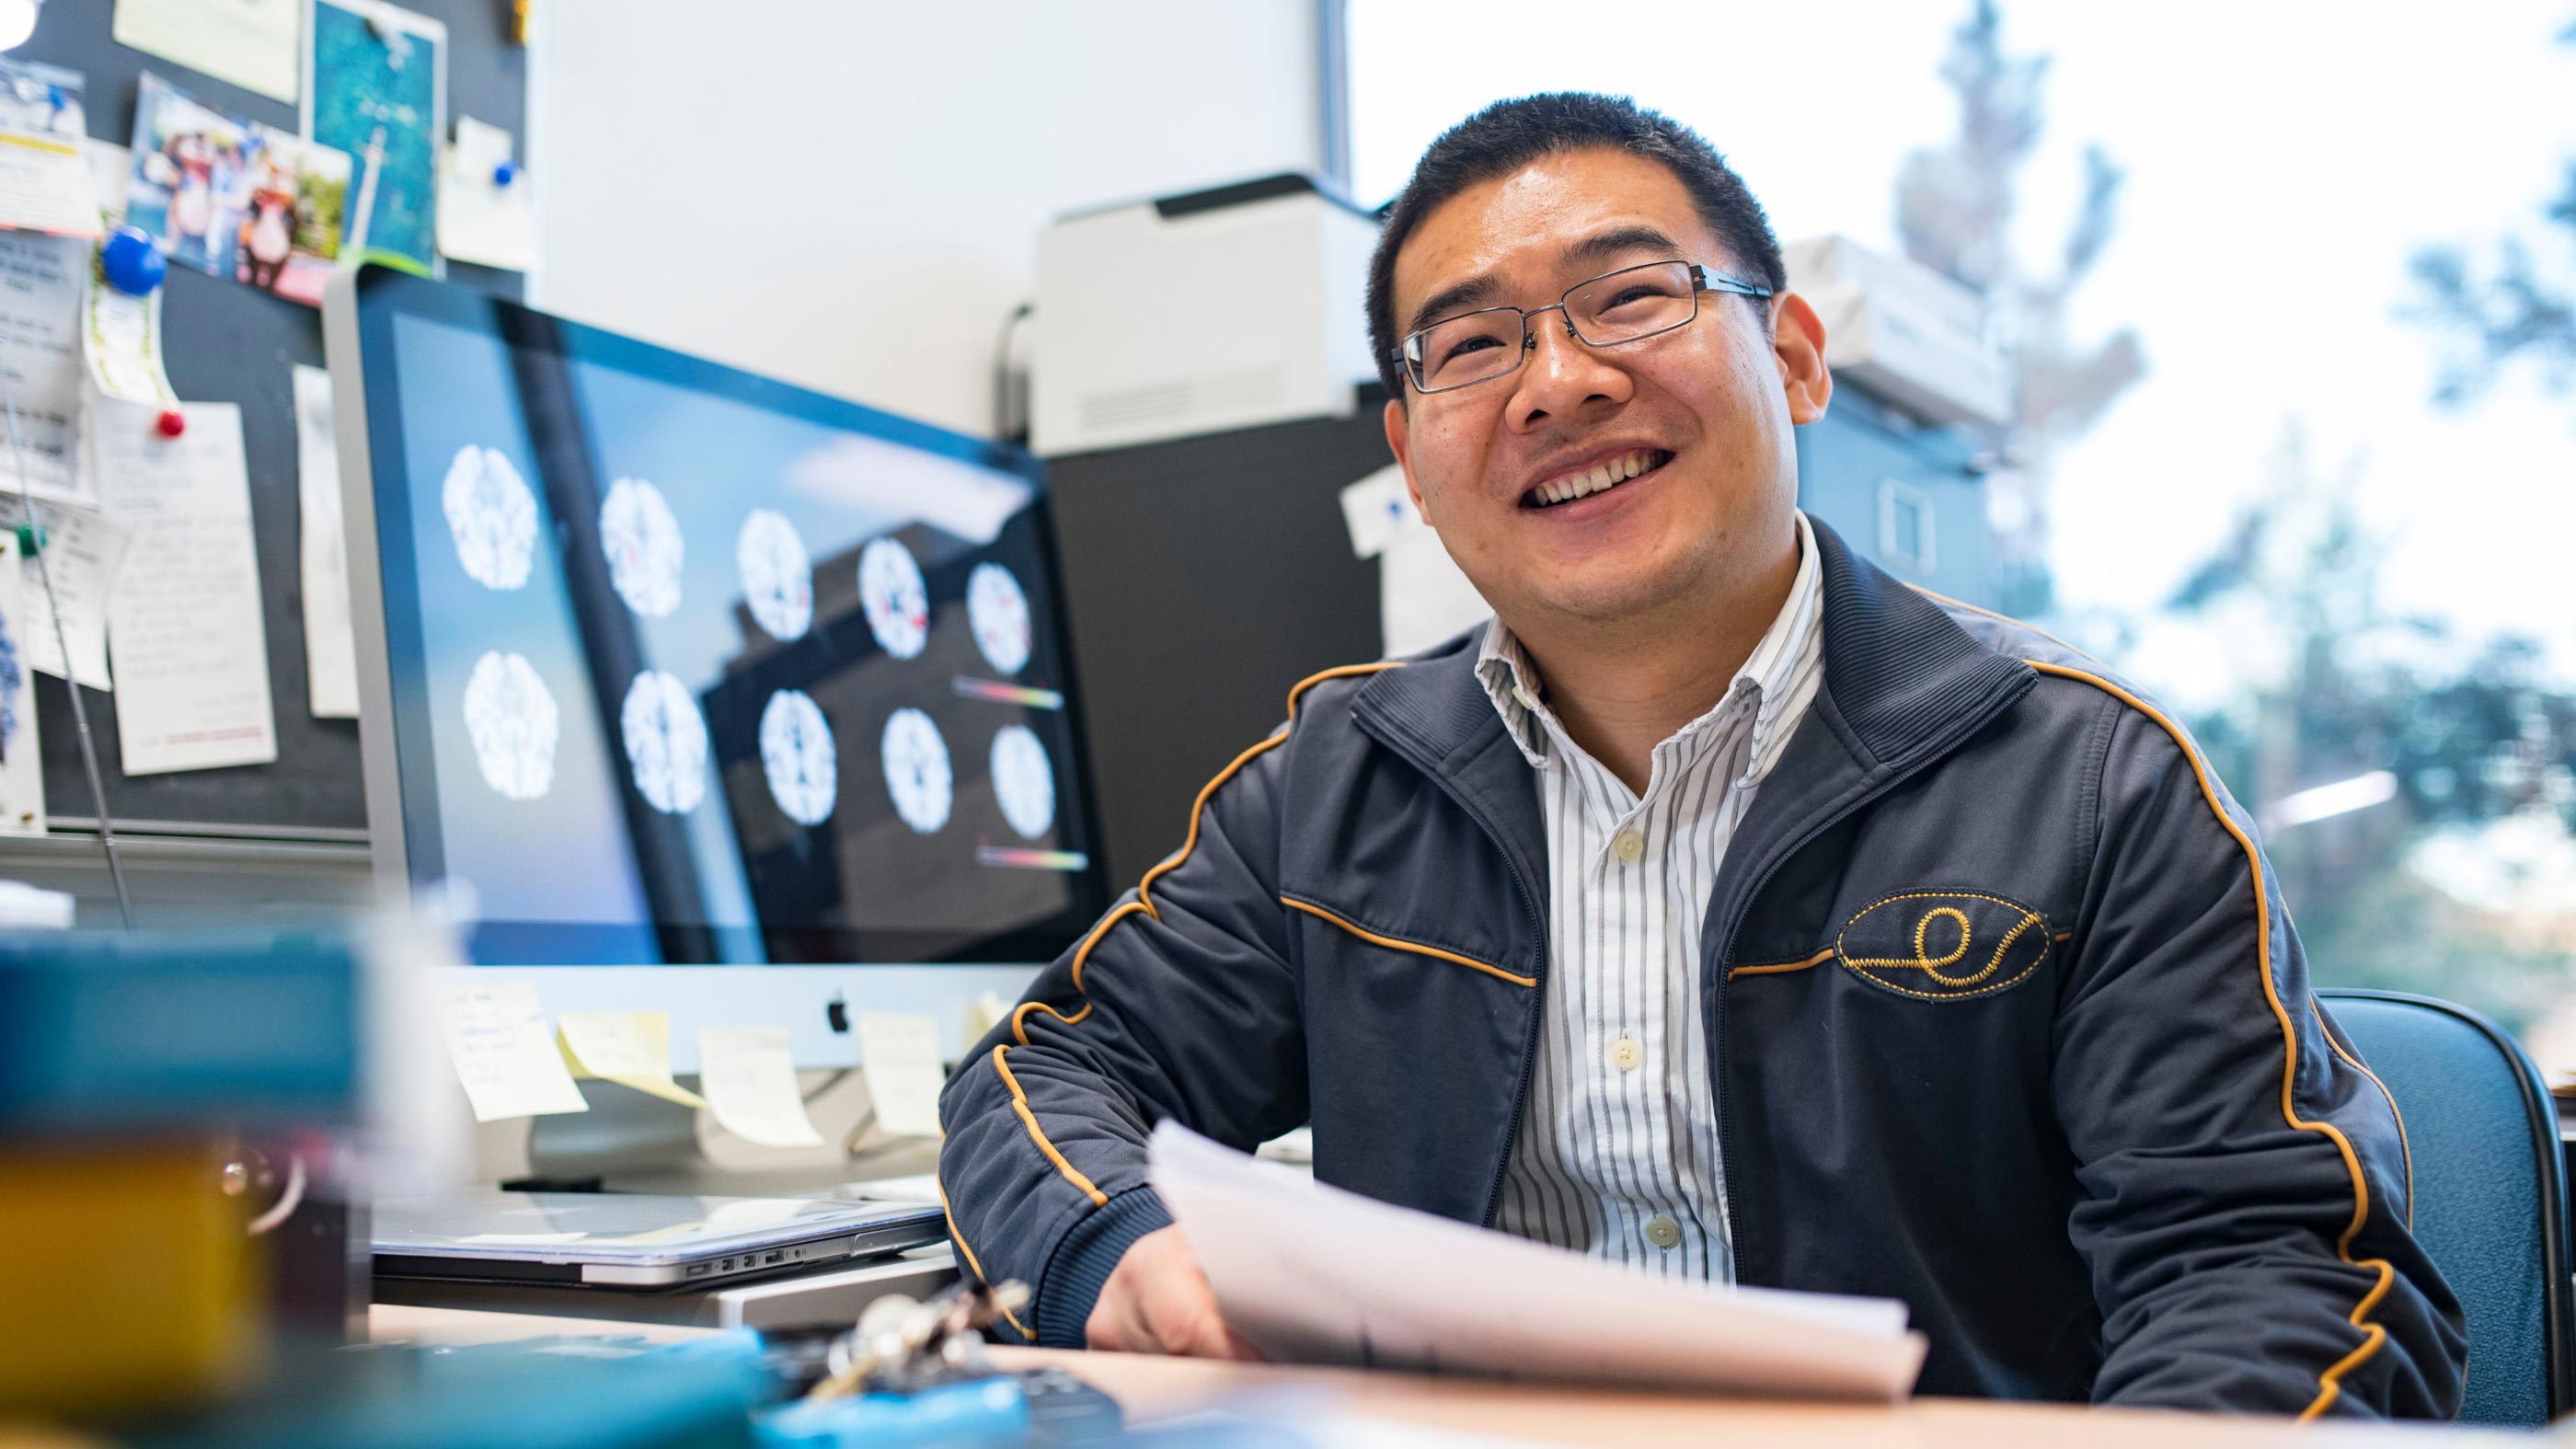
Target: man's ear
point(1798, 340)
point(1397, 442)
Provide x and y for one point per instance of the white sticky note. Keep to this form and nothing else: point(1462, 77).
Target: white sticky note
point(630, 1048)
point(121, 341)
point(899, 1053)
point(330, 638)
point(750, 1084)
point(185, 625)
point(497, 1037)
point(83, 552)
point(250, 43)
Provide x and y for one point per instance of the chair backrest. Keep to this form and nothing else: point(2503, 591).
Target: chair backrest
point(2489, 1193)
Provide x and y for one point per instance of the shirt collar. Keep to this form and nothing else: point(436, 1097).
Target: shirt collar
point(1511, 679)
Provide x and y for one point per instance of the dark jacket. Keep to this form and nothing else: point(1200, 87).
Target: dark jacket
point(2009, 1023)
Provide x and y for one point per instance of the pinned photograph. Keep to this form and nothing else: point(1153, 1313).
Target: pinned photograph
point(292, 221)
point(187, 189)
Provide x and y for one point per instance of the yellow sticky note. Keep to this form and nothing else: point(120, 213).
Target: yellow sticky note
point(751, 1085)
point(630, 1048)
point(899, 1055)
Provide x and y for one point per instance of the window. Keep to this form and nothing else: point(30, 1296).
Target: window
point(2279, 456)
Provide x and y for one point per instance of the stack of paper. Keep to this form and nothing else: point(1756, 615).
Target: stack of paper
point(1313, 1274)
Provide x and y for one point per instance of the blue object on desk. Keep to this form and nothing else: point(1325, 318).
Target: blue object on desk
point(132, 262)
point(984, 1412)
point(162, 1030)
point(505, 173)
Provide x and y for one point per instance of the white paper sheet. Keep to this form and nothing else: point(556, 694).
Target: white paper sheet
point(184, 623)
point(1313, 1274)
point(45, 185)
point(1422, 597)
point(110, 167)
point(899, 1053)
point(480, 220)
point(84, 552)
point(330, 639)
point(749, 1081)
point(41, 278)
point(248, 42)
point(22, 774)
point(497, 1037)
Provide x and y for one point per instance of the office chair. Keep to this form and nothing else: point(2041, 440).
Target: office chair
point(2490, 1191)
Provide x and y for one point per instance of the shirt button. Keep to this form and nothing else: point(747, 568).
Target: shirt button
point(1629, 846)
point(1627, 1054)
point(1663, 1232)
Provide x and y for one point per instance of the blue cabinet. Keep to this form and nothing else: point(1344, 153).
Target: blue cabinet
point(1904, 496)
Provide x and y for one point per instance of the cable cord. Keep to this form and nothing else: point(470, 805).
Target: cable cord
point(71, 685)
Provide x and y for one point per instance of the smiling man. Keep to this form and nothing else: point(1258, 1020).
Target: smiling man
point(1723, 908)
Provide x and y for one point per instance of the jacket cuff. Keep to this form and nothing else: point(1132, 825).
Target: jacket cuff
point(1084, 1260)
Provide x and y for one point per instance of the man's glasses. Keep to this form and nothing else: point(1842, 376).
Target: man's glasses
point(1622, 306)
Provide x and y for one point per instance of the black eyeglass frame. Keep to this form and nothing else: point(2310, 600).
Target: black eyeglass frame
point(1702, 280)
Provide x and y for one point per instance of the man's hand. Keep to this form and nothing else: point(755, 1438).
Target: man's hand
point(1157, 1301)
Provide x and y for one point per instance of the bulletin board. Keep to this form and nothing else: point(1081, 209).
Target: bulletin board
point(226, 342)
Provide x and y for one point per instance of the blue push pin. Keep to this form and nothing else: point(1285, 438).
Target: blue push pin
point(132, 263)
point(505, 173)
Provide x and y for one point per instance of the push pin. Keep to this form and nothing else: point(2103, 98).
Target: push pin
point(505, 173)
point(171, 423)
point(132, 263)
point(30, 538)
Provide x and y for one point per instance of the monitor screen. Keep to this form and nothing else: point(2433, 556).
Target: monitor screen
point(689, 666)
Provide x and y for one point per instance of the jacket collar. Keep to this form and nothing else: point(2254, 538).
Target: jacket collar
point(1901, 676)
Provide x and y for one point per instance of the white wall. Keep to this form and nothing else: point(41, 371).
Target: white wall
point(847, 193)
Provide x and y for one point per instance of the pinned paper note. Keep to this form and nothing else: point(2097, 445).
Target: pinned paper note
point(504, 1056)
point(83, 551)
point(40, 363)
point(250, 43)
point(750, 1084)
point(330, 638)
point(485, 212)
point(121, 340)
point(1422, 597)
point(899, 1054)
point(45, 185)
point(630, 1048)
point(184, 623)
point(22, 776)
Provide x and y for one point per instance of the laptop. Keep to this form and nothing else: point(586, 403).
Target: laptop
point(633, 1240)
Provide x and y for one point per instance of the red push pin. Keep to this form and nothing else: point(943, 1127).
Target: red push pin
point(172, 423)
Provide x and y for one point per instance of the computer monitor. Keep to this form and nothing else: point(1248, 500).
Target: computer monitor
point(721, 696)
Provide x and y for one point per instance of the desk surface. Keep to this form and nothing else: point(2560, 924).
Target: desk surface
point(1160, 1388)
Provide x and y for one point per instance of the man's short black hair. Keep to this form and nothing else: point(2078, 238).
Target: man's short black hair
point(1508, 135)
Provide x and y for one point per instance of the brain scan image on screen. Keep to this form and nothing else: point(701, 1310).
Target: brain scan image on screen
point(511, 718)
point(999, 612)
point(666, 743)
point(797, 754)
point(644, 547)
point(1023, 781)
point(492, 515)
point(892, 596)
point(916, 770)
point(777, 575)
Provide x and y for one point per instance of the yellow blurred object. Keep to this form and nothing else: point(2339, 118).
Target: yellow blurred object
point(131, 1277)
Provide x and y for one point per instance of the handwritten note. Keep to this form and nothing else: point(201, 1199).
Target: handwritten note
point(497, 1037)
point(121, 340)
point(630, 1048)
point(900, 1056)
point(83, 551)
point(40, 362)
point(184, 624)
point(330, 639)
point(750, 1084)
point(22, 775)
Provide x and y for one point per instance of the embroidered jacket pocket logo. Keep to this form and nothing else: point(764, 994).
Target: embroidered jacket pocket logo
point(1945, 945)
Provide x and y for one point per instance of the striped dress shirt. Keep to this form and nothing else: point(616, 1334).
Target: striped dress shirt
point(1617, 1155)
